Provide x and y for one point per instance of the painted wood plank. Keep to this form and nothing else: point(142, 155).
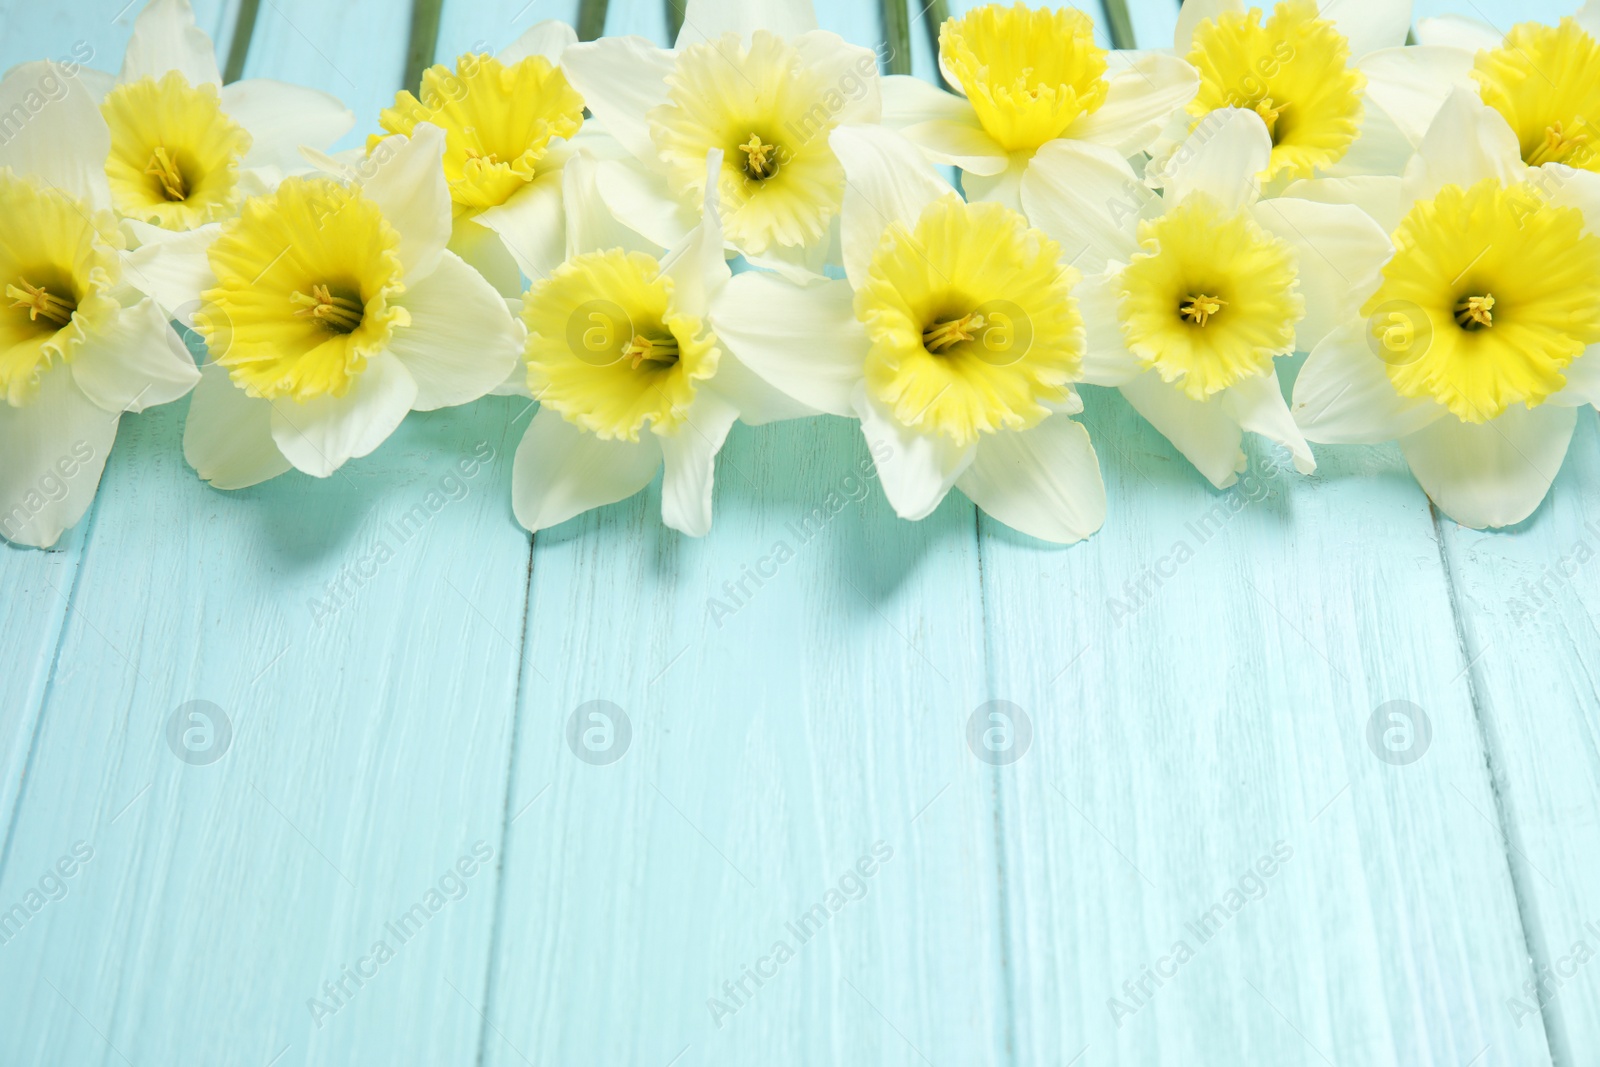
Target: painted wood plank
point(772, 750)
point(36, 587)
point(1527, 600)
point(490, 25)
point(362, 635)
point(1328, 905)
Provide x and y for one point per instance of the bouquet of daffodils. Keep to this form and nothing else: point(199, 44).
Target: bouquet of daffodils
point(755, 224)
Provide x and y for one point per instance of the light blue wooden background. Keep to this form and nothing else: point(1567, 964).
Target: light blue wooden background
point(1172, 748)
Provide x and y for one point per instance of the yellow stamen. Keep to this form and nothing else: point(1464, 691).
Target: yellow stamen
point(337, 313)
point(1199, 309)
point(662, 350)
point(163, 167)
point(1269, 114)
point(942, 335)
point(38, 302)
point(760, 159)
point(1475, 312)
point(1557, 146)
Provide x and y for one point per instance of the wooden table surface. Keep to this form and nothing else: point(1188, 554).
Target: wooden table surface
point(394, 709)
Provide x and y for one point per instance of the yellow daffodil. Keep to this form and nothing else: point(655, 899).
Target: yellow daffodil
point(78, 347)
point(1330, 79)
point(1025, 78)
point(628, 371)
point(185, 149)
point(330, 310)
point(1479, 344)
point(1195, 294)
point(955, 340)
point(509, 122)
point(756, 81)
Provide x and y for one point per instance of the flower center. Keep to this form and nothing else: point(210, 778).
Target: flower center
point(1475, 312)
point(1029, 75)
point(1294, 60)
point(663, 350)
point(760, 159)
point(1471, 254)
point(340, 314)
point(39, 301)
point(1541, 79)
point(1188, 256)
point(941, 335)
point(308, 283)
point(500, 123)
point(973, 325)
point(175, 155)
point(1199, 309)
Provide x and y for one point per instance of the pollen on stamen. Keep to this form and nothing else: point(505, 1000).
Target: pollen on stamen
point(338, 313)
point(943, 335)
point(761, 160)
point(1475, 312)
point(165, 170)
point(656, 350)
point(1558, 146)
point(1199, 309)
point(38, 302)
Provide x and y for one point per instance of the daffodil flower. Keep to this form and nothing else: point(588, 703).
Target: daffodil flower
point(78, 346)
point(955, 340)
point(1027, 78)
point(754, 79)
point(1339, 93)
point(187, 150)
point(1193, 295)
point(331, 310)
point(1479, 344)
point(628, 372)
point(509, 122)
point(1540, 79)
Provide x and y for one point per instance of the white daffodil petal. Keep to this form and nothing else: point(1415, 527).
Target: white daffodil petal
point(1044, 481)
point(561, 472)
point(1411, 83)
point(1138, 102)
point(173, 268)
point(1369, 24)
point(55, 449)
point(852, 71)
point(1194, 12)
point(621, 79)
point(1381, 197)
point(1583, 380)
point(1221, 158)
point(1459, 31)
point(697, 266)
point(886, 181)
point(1087, 198)
point(916, 470)
point(1258, 405)
point(758, 400)
point(136, 364)
point(958, 144)
point(228, 436)
point(1003, 188)
point(1380, 147)
point(486, 253)
point(1106, 359)
point(1587, 16)
point(462, 342)
point(636, 198)
point(408, 184)
point(705, 20)
point(1206, 432)
point(321, 434)
point(1564, 186)
point(532, 225)
point(54, 132)
point(1494, 473)
point(165, 38)
point(1343, 395)
point(690, 456)
point(908, 101)
point(550, 39)
point(281, 117)
point(1465, 143)
point(1339, 251)
point(804, 341)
